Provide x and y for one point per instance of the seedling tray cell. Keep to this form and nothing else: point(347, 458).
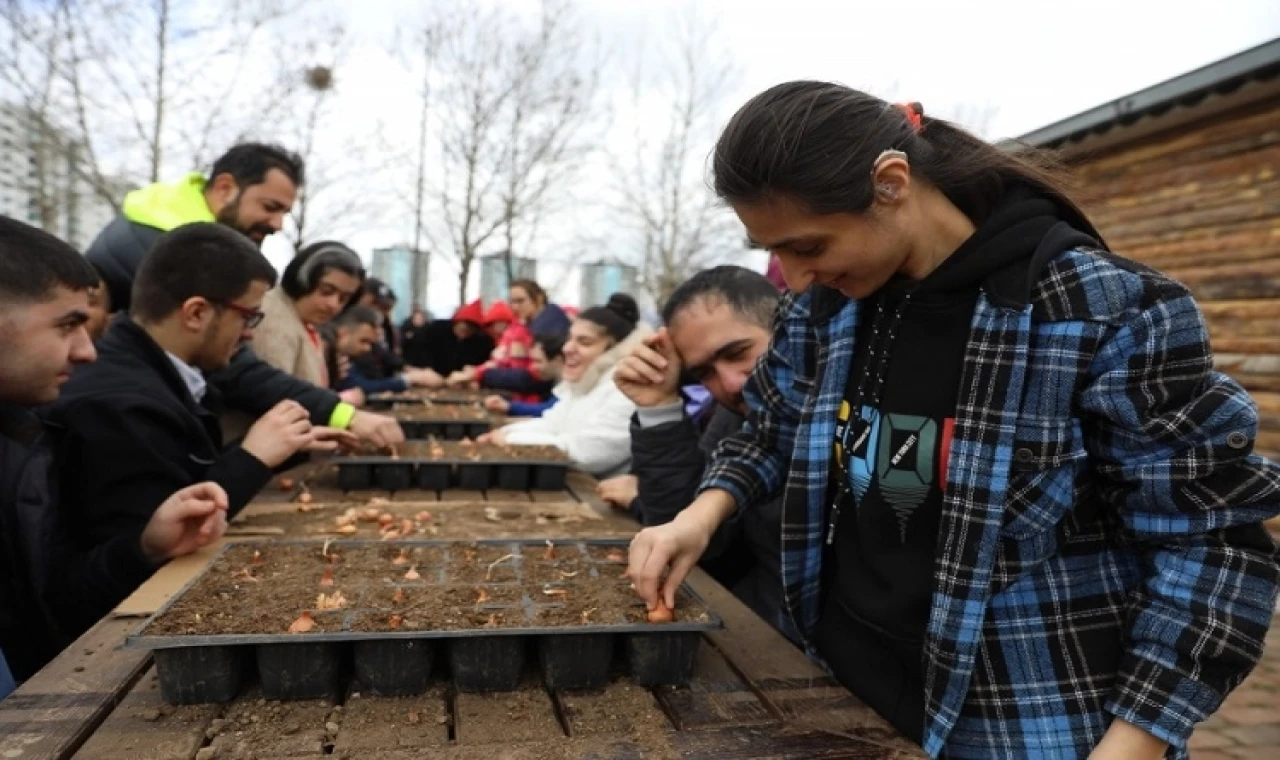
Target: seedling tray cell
point(395, 668)
point(439, 466)
point(421, 430)
point(194, 675)
point(301, 670)
point(483, 608)
point(576, 662)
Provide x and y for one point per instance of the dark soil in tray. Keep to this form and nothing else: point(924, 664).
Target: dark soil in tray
point(308, 615)
point(461, 520)
point(349, 586)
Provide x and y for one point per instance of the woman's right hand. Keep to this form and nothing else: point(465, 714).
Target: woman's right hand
point(674, 548)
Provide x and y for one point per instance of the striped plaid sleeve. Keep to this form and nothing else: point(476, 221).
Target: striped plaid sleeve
point(1172, 441)
point(751, 464)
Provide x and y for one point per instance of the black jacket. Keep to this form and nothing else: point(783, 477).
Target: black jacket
point(248, 384)
point(439, 349)
point(746, 552)
point(40, 569)
point(129, 434)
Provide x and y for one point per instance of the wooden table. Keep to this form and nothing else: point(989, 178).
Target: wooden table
point(753, 695)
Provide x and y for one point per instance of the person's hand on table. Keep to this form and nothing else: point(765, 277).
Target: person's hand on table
point(279, 434)
point(378, 429)
point(190, 519)
point(619, 491)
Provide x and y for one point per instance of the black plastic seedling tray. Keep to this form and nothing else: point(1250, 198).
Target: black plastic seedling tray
point(386, 400)
point(213, 667)
point(403, 473)
point(446, 430)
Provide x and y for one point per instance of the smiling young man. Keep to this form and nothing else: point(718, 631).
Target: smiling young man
point(44, 307)
point(718, 324)
point(143, 420)
point(250, 190)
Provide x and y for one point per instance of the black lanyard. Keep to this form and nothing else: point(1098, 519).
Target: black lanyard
point(870, 389)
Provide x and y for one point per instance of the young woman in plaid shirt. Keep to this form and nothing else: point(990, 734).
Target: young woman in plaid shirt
point(1022, 513)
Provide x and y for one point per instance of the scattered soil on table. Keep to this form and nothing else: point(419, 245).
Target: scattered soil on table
point(372, 723)
point(526, 715)
point(254, 728)
point(620, 709)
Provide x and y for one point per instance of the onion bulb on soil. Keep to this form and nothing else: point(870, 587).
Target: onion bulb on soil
point(303, 624)
point(661, 613)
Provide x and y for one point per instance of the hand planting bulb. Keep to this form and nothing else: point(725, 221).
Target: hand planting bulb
point(661, 613)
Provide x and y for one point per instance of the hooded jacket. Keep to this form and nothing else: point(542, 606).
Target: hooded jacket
point(247, 384)
point(1100, 553)
point(591, 422)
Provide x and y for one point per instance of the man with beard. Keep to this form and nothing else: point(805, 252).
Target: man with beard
point(717, 325)
point(250, 189)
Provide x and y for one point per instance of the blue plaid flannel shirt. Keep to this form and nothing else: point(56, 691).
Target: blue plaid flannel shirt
point(1100, 552)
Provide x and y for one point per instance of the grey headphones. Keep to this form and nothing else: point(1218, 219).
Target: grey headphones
point(329, 255)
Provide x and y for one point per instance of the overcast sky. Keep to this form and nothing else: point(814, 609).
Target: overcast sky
point(1016, 65)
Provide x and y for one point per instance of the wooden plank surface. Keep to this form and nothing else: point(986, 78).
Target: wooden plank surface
point(57, 709)
point(794, 687)
point(144, 725)
point(717, 697)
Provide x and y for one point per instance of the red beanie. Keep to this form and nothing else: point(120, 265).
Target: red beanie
point(499, 312)
point(472, 312)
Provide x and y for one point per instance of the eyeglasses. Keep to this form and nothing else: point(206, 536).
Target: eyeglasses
point(252, 317)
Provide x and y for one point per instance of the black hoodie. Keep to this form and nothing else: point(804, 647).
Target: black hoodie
point(911, 340)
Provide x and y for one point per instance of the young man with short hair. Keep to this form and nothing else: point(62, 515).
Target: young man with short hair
point(718, 324)
point(44, 307)
point(353, 335)
point(547, 362)
point(143, 420)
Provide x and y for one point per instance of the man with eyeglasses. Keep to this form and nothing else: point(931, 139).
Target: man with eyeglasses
point(142, 421)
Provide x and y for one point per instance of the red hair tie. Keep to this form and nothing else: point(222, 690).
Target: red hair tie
point(914, 113)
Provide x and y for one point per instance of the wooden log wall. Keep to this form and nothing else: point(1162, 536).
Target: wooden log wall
point(1201, 203)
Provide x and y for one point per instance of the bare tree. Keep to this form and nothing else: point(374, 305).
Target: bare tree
point(29, 54)
point(128, 89)
point(512, 105)
point(663, 196)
